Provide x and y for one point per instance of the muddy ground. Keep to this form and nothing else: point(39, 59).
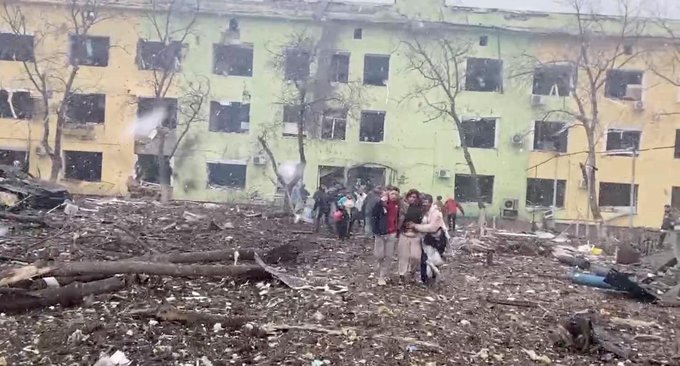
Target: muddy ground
point(370, 325)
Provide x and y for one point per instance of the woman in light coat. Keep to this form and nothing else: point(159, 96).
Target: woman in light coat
point(435, 237)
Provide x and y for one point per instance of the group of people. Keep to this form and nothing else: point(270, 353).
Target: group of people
point(415, 226)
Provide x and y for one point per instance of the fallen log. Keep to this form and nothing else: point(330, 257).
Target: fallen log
point(197, 257)
point(16, 300)
point(68, 269)
point(171, 314)
point(519, 303)
point(23, 218)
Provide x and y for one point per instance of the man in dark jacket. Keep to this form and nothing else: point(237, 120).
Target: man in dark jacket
point(372, 199)
point(385, 223)
point(322, 206)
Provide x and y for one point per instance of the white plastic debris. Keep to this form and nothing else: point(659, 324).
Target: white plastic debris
point(51, 282)
point(70, 209)
point(3, 230)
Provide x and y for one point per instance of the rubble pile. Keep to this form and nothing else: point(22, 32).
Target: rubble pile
point(139, 283)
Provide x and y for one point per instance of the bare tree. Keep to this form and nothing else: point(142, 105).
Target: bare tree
point(440, 62)
point(46, 72)
point(172, 22)
point(312, 91)
point(600, 46)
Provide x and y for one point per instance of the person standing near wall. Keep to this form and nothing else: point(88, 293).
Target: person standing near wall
point(372, 199)
point(452, 207)
point(322, 206)
point(408, 247)
point(667, 224)
point(384, 221)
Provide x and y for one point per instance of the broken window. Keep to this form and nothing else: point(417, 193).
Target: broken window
point(624, 84)
point(16, 104)
point(550, 136)
point(365, 176)
point(232, 117)
point(484, 75)
point(626, 143)
point(334, 125)
point(540, 192)
point(616, 195)
point(465, 191)
point(483, 41)
point(227, 175)
point(83, 165)
point(297, 62)
point(480, 133)
point(554, 80)
point(147, 106)
point(236, 60)
point(675, 198)
point(15, 47)
point(89, 51)
point(153, 55)
point(372, 127)
point(358, 33)
point(331, 176)
point(13, 158)
point(291, 116)
point(339, 71)
point(147, 168)
point(376, 70)
point(86, 108)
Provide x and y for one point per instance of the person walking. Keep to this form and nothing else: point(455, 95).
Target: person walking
point(408, 245)
point(435, 237)
point(452, 207)
point(384, 218)
point(440, 204)
point(666, 225)
point(322, 206)
point(373, 197)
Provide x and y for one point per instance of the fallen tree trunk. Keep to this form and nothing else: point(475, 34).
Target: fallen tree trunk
point(69, 269)
point(23, 218)
point(17, 301)
point(197, 257)
point(171, 314)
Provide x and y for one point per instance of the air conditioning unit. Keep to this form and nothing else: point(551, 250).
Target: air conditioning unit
point(510, 204)
point(639, 106)
point(259, 160)
point(634, 92)
point(537, 100)
point(518, 139)
point(444, 174)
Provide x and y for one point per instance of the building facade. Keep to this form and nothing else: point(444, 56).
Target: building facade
point(528, 160)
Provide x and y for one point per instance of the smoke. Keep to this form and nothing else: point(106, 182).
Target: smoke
point(287, 170)
point(146, 124)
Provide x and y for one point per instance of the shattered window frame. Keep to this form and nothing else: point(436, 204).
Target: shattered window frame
point(335, 175)
point(339, 67)
point(237, 117)
point(334, 125)
point(376, 70)
point(11, 108)
point(291, 116)
point(93, 112)
point(546, 132)
point(20, 48)
point(75, 160)
point(476, 78)
point(147, 165)
point(233, 59)
point(610, 192)
point(8, 156)
point(618, 80)
point(368, 126)
point(617, 142)
point(229, 181)
point(562, 76)
point(463, 188)
point(297, 64)
point(540, 192)
point(474, 129)
point(154, 50)
point(91, 51)
point(147, 105)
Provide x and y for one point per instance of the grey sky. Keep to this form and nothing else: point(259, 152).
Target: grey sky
point(669, 8)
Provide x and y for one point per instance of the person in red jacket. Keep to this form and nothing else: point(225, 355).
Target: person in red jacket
point(452, 207)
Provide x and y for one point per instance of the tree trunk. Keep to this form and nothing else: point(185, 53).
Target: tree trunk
point(55, 156)
point(66, 269)
point(473, 171)
point(17, 300)
point(163, 171)
point(196, 257)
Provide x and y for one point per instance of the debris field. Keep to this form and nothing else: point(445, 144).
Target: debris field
point(310, 300)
